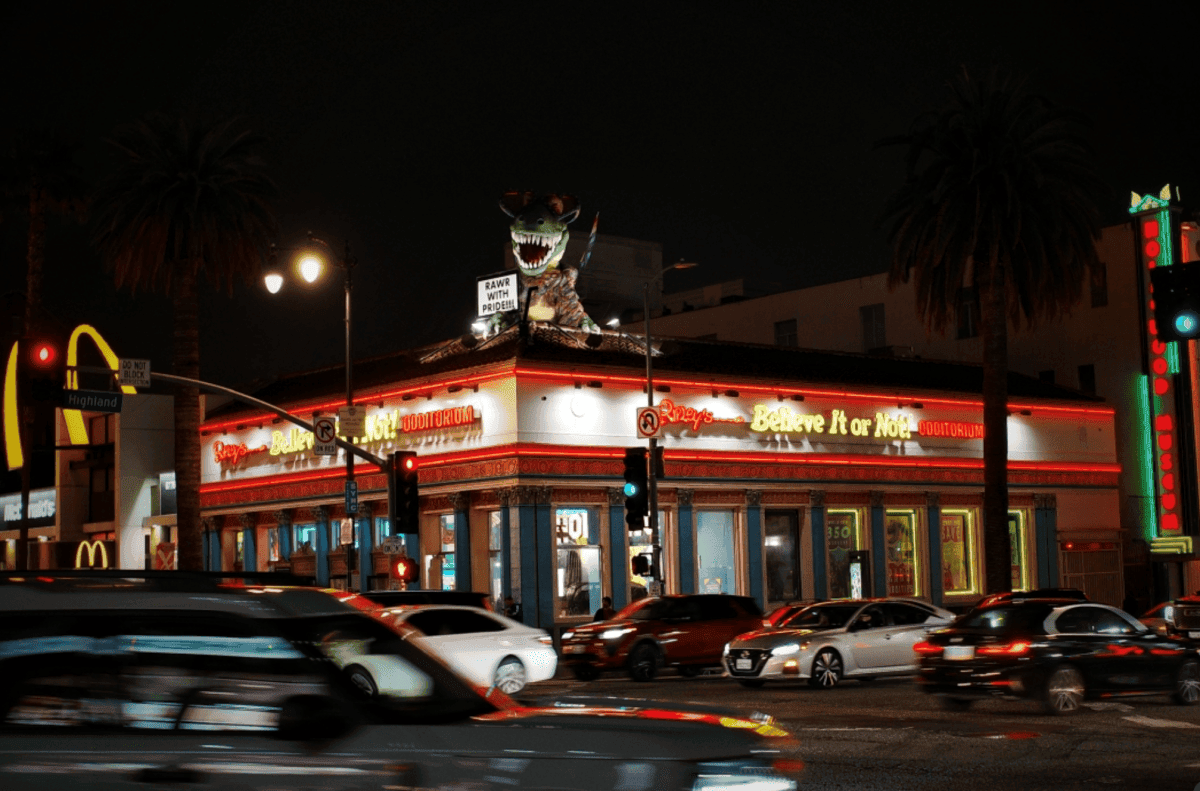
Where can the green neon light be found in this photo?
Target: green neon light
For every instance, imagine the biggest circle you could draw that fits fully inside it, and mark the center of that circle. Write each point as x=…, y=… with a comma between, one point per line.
x=1172, y=357
x=1167, y=255
x=1149, y=498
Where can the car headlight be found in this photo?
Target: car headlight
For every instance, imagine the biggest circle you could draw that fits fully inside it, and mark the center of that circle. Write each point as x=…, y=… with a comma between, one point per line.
x=613, y=634
x=1169, y=615
x=787, y=649
x=741, y=775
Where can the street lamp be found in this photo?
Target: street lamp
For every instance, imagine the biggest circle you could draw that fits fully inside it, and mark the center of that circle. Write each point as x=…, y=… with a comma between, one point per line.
x=652, y=477
x=310, y=266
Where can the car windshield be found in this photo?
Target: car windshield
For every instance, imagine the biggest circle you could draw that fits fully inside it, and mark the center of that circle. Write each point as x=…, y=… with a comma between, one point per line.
x=1006, y=618
x=822, y=616
x=644, y=610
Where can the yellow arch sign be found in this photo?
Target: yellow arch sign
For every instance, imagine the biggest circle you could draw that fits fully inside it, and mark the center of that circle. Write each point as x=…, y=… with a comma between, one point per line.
x=91, y=547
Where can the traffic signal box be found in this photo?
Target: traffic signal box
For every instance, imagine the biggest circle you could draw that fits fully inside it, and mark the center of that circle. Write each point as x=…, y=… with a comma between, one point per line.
x=43, y=369
x=636, y=489
x=1176, y=294
x=404, y=569
x=408, y=494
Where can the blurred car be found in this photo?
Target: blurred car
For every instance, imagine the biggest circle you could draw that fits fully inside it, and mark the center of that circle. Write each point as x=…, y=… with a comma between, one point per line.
x=1155, y=618
x=685, y=631
x=785, y=611
x=168, y=679
x=1180, y=617
x=831, y=641
x=1040, y=593
x=487, y=648
x=1057, y=651
x=409, y=598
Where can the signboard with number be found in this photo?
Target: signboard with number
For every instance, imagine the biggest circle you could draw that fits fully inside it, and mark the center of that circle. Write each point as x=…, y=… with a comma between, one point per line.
x=135, y=373
x=649, y=422
x=324, y=436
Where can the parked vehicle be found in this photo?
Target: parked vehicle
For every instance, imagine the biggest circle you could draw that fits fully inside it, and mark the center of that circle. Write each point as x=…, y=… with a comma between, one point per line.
x=1180, y=617
x=487, y=648
x=169, y=679
x=832, y=641
x=684, y=631
x=785, y=611
x=1155, y=618
x=1057, y=651
x=409, y=598
x=1040, y=593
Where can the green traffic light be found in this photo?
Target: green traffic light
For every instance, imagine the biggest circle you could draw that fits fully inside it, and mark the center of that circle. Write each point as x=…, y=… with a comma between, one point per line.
x=631, y=489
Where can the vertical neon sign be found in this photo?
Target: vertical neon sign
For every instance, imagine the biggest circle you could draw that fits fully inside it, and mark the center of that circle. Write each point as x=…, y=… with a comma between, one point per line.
x=1153, y=230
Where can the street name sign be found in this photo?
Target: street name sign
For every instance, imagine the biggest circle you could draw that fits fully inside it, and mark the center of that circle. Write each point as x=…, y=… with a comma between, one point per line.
x=91, y=400
x=324, y=436
x=135, y=373
x=351, y=504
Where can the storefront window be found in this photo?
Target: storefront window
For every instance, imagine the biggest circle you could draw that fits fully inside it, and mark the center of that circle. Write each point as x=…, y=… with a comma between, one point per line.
x=305, y=537
x=495, y=563
x=239, y=551
x=714, y=550
x=1017, y=537
x=782, y=530
x=273, y=543
x=446, y=525
x=901, y=534
x=578, y=588
x=958, y=552
x=843, y=535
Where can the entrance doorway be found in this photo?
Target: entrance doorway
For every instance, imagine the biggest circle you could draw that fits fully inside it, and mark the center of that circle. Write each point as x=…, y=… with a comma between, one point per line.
x=781, y=554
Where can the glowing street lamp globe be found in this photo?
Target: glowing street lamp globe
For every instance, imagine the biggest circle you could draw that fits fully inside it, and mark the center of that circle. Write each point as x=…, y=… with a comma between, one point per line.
x=310, y=268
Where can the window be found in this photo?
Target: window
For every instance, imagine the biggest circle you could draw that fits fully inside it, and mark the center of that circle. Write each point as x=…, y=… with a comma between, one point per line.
x=899, y=614
x=446, y=529
x=305, y=537
x=1099, y=283
x=902, y=533
x=273, y=544
x=1018, y=541
x=714, y=551
x=640, y=543
x=958, y=552
x=874, y=336
x=781, y=541
x=1087, y=379
x=1046, y=376
x=842, y=536
x=578, y=587
x=967, y=312
x=435, y=622
x=785, y=333
x=496, y=538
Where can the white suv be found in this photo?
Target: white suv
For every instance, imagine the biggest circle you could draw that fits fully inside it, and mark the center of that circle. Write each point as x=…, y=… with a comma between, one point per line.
x=136, y=679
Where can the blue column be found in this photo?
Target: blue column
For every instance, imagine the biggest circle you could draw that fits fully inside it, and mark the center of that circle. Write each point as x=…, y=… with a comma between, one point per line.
x=545, y=560
x=754, y=545
x=687, y=541
x=284, y=520
x=249, y=551
x=321, y=548
x=878, y=547
x=461, y=503
x=506, y=586
x=214, y=548
x=1046, y=527
x=618, y=582
x=933, y=521
x=817, y=510
x=527, y=541
x=364, y=524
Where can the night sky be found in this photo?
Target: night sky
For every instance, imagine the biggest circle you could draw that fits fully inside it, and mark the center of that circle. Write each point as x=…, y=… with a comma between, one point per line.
x=740, y=136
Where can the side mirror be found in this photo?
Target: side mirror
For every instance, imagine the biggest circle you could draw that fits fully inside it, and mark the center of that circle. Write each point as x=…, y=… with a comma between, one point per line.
x=316, y=719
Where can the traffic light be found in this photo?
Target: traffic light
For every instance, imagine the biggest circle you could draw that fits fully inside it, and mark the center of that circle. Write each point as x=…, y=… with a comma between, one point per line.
x=44, y=369
x=408, y=494
x=404, y=569
x=637, y=488
x=640, y=565
x=1176, y=301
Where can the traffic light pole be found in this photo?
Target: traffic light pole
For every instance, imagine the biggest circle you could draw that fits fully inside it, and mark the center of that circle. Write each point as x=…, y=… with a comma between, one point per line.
x=651, y=477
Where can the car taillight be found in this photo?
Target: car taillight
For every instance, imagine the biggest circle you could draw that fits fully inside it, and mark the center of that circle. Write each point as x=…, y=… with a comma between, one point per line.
x=546, y=640
x=926, y=648
x=1016, y=648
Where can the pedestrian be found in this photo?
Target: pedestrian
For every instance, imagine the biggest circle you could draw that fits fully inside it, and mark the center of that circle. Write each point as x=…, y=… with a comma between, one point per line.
x=606, y=611
x=512, y=609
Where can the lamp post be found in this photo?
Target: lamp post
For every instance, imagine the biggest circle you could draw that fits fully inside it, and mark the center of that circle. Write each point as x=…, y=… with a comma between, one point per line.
x=310, y=267
x=652, y=476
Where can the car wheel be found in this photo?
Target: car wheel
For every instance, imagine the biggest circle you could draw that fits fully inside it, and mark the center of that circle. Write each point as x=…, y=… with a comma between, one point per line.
x=956, y=704
x=826, y=669
x=585, y=672
x=361, y=679
x=510, y=676
x=1064, y=691
x=689, y=671
x=643, y=663
x=1187, y=683
x=752, y=683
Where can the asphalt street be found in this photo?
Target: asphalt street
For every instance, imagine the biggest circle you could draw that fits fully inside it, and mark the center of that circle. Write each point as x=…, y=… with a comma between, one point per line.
x=888, y=734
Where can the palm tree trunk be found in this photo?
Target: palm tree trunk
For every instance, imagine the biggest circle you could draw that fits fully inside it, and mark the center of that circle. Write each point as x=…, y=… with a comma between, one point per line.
x=996, y=550
x=186, y=362
x=35, y=257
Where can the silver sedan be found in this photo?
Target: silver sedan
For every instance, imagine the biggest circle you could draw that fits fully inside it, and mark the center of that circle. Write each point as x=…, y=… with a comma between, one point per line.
x=830, y=641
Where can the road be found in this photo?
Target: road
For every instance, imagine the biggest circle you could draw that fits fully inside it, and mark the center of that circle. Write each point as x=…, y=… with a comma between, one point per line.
x=888, y=734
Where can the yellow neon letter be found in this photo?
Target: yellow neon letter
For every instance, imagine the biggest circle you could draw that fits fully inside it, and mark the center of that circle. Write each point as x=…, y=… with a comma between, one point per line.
x=12, y=423
x=73, y=417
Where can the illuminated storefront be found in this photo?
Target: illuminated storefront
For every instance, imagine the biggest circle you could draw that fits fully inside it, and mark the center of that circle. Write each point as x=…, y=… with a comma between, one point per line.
x=863, y=476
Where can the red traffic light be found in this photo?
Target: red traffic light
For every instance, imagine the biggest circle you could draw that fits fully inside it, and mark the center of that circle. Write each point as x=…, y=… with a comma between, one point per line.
x=410, y=462
x=404, y=569
x=43, y=355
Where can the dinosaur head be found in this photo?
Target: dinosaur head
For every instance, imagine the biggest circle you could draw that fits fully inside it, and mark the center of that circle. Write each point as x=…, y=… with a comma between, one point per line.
x=539, y=228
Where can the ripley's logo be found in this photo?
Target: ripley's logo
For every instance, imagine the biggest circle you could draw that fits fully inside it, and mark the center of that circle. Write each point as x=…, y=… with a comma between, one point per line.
x=234, y=453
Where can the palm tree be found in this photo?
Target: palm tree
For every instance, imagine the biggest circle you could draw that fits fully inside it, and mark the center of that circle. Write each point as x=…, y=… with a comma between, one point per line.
x=999, y=199
x=188, y=198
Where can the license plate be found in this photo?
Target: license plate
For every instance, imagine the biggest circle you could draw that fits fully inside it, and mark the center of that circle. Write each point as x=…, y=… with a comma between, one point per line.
x=959, y=652
x=1194, y=635
x=575, y=649
x=742, y=664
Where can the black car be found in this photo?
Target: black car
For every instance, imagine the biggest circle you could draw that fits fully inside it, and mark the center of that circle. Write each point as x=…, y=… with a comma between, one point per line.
x=1041, y=593
x=1059, y=651
x=410, y=598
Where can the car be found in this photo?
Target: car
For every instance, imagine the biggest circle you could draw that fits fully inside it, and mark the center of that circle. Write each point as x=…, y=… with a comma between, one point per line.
x=408, y=598
x=486, y=647
x=1180, y=617
x=684, y=631
x=1040, y=593
x=142, y=679
x=785, y=611
x=1155, y=618
x=829, y=642
x=1057, y=651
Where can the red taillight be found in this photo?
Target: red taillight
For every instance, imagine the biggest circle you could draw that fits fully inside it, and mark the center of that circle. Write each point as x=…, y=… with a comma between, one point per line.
x=1018, y=648
x=926, y=648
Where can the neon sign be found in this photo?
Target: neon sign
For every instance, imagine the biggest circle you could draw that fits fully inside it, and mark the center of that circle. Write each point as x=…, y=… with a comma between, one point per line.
x=784, y=420
x=950, y=428
x=378, y=428
x=234, y=453
x=440, y=418
x=670, y=413
x=91, y=547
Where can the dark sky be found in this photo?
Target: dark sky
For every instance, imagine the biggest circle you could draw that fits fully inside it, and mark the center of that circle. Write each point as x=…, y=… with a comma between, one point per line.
x=739, y=135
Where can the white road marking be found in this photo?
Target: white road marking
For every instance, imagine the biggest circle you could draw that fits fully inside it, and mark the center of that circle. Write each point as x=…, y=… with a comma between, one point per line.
x=1153, y=723
x=1106, y=706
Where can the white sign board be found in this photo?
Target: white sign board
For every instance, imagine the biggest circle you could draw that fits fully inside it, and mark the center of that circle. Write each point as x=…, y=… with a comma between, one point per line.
x=393, y=545
x=497, y=293
x=135, y=373
x=324, y=436
x=649, y=422
x=352, y=421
